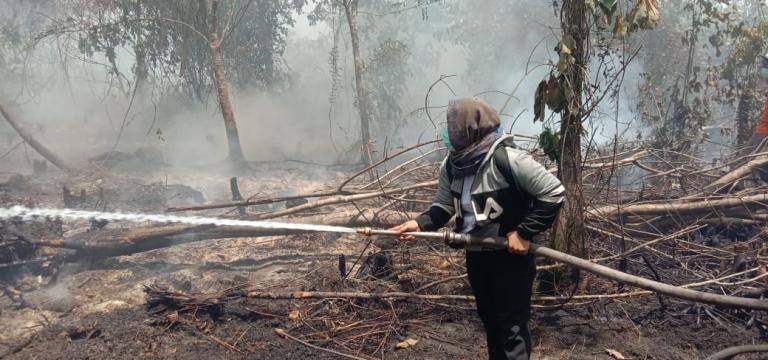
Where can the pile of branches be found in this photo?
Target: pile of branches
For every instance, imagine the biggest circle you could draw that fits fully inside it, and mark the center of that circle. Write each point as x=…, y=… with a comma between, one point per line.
x=19, y=250
x=161, y=299
x=361, y=313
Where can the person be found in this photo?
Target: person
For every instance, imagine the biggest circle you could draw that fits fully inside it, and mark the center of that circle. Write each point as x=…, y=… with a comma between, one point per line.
x=495, y=189
x=760, y=131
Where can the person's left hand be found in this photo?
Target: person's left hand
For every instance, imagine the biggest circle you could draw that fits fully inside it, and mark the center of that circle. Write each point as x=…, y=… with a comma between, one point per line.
x=516, y=244
x=408, y=226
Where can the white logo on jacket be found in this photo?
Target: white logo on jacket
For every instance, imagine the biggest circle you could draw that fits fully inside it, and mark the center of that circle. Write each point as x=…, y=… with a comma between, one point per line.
x=491, y=212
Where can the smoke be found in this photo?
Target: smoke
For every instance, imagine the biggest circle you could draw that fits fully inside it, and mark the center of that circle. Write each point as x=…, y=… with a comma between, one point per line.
x=76, y=106
x=56, y=297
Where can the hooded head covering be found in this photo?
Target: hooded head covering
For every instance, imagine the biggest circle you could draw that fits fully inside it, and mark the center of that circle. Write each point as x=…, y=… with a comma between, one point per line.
x=473, y=127
x=469, y=121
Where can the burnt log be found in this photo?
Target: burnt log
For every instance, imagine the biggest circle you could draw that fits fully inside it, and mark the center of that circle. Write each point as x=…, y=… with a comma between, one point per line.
x=116, y=242
x=40, y=148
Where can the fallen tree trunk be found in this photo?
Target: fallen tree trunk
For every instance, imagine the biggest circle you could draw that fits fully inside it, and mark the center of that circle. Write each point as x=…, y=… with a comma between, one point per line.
x=681, y=206
x=736, y=174
x=40, y=148
x=113, y=242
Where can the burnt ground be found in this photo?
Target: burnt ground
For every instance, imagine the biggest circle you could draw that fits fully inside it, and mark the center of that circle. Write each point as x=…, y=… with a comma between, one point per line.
x=97, y=309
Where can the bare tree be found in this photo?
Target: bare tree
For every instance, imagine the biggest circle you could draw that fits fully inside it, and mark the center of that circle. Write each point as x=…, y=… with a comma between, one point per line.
x=363, y=101
x=220, y=80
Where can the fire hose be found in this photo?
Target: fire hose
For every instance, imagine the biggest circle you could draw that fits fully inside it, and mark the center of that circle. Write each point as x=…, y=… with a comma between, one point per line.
x=586, y=265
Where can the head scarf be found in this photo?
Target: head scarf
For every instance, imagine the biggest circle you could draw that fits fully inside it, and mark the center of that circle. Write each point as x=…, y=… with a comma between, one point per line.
x=472, y=128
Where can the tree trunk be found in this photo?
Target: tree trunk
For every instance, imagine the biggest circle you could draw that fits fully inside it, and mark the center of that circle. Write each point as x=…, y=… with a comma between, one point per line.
x=363, y=104
x=746, y=113
x=220, y=80
x=40, y=148
x=569, y=232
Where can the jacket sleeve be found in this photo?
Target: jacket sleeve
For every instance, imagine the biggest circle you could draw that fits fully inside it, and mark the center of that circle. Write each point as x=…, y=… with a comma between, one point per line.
x=442, y=209
x=545, y=189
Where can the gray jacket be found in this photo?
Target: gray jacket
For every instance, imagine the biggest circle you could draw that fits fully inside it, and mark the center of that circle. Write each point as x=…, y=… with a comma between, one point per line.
x=511, y=192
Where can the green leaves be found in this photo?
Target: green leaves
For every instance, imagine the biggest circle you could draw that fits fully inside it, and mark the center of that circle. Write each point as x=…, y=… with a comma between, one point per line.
x=609, y=7
x=550, y=144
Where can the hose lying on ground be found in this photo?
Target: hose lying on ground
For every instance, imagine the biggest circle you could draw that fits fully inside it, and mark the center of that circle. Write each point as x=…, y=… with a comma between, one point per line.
x=736, y=350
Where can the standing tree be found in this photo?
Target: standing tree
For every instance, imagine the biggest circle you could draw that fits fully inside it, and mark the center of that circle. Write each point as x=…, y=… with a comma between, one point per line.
x=570, y=92
x=351, y=8
x=383, y=62
x=220, y=80
x=574, y=52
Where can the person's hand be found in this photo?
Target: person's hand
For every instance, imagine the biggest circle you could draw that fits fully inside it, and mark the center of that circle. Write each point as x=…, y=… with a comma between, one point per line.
x=516, y=244
x=408, y=226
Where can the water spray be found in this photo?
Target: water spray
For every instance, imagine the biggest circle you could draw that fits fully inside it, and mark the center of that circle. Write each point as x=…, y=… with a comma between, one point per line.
x=36, y=214
x=488, y=242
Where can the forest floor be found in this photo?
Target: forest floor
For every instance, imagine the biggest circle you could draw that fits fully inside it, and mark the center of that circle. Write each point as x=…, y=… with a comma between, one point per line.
x=97, y=309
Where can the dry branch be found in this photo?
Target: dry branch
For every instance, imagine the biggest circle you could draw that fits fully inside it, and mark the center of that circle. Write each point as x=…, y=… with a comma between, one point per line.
x=668, y=207
x=344, y=199
x=40, y=148
x=636, y=281
x=736, y=174
x=251, y=202
x=340, y=188
x=285, y=334
x=603, y=271
x=352, y=295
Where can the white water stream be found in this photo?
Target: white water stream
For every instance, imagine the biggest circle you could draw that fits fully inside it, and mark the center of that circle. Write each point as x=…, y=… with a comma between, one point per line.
x=39, y=214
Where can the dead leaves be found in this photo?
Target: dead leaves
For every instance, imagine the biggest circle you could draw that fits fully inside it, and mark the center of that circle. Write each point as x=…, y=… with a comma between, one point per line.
x=406, y=343
x=565, y=49
x=615, y=354
x=645, y=15
x=539, y=101
x=553, y=93
x=620, y=28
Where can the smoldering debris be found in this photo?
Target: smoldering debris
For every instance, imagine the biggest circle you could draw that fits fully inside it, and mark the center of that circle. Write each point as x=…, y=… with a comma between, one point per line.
x=161, y=299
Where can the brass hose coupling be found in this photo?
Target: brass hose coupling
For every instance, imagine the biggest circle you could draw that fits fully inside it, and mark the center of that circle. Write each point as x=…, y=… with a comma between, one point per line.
x=449, y=237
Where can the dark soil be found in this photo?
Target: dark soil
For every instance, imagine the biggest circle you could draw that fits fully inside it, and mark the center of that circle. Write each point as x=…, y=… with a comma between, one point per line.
x=97, y=311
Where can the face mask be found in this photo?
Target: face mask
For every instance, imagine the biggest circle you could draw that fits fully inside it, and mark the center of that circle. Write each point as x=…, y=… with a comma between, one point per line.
x=447, y=140
x=764, y=73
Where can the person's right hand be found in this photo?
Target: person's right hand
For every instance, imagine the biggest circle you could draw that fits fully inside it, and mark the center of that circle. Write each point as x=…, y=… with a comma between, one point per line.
x=408, y=226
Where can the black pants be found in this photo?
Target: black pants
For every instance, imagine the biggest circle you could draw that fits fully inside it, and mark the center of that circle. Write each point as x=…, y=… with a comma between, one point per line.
x=502, y=283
